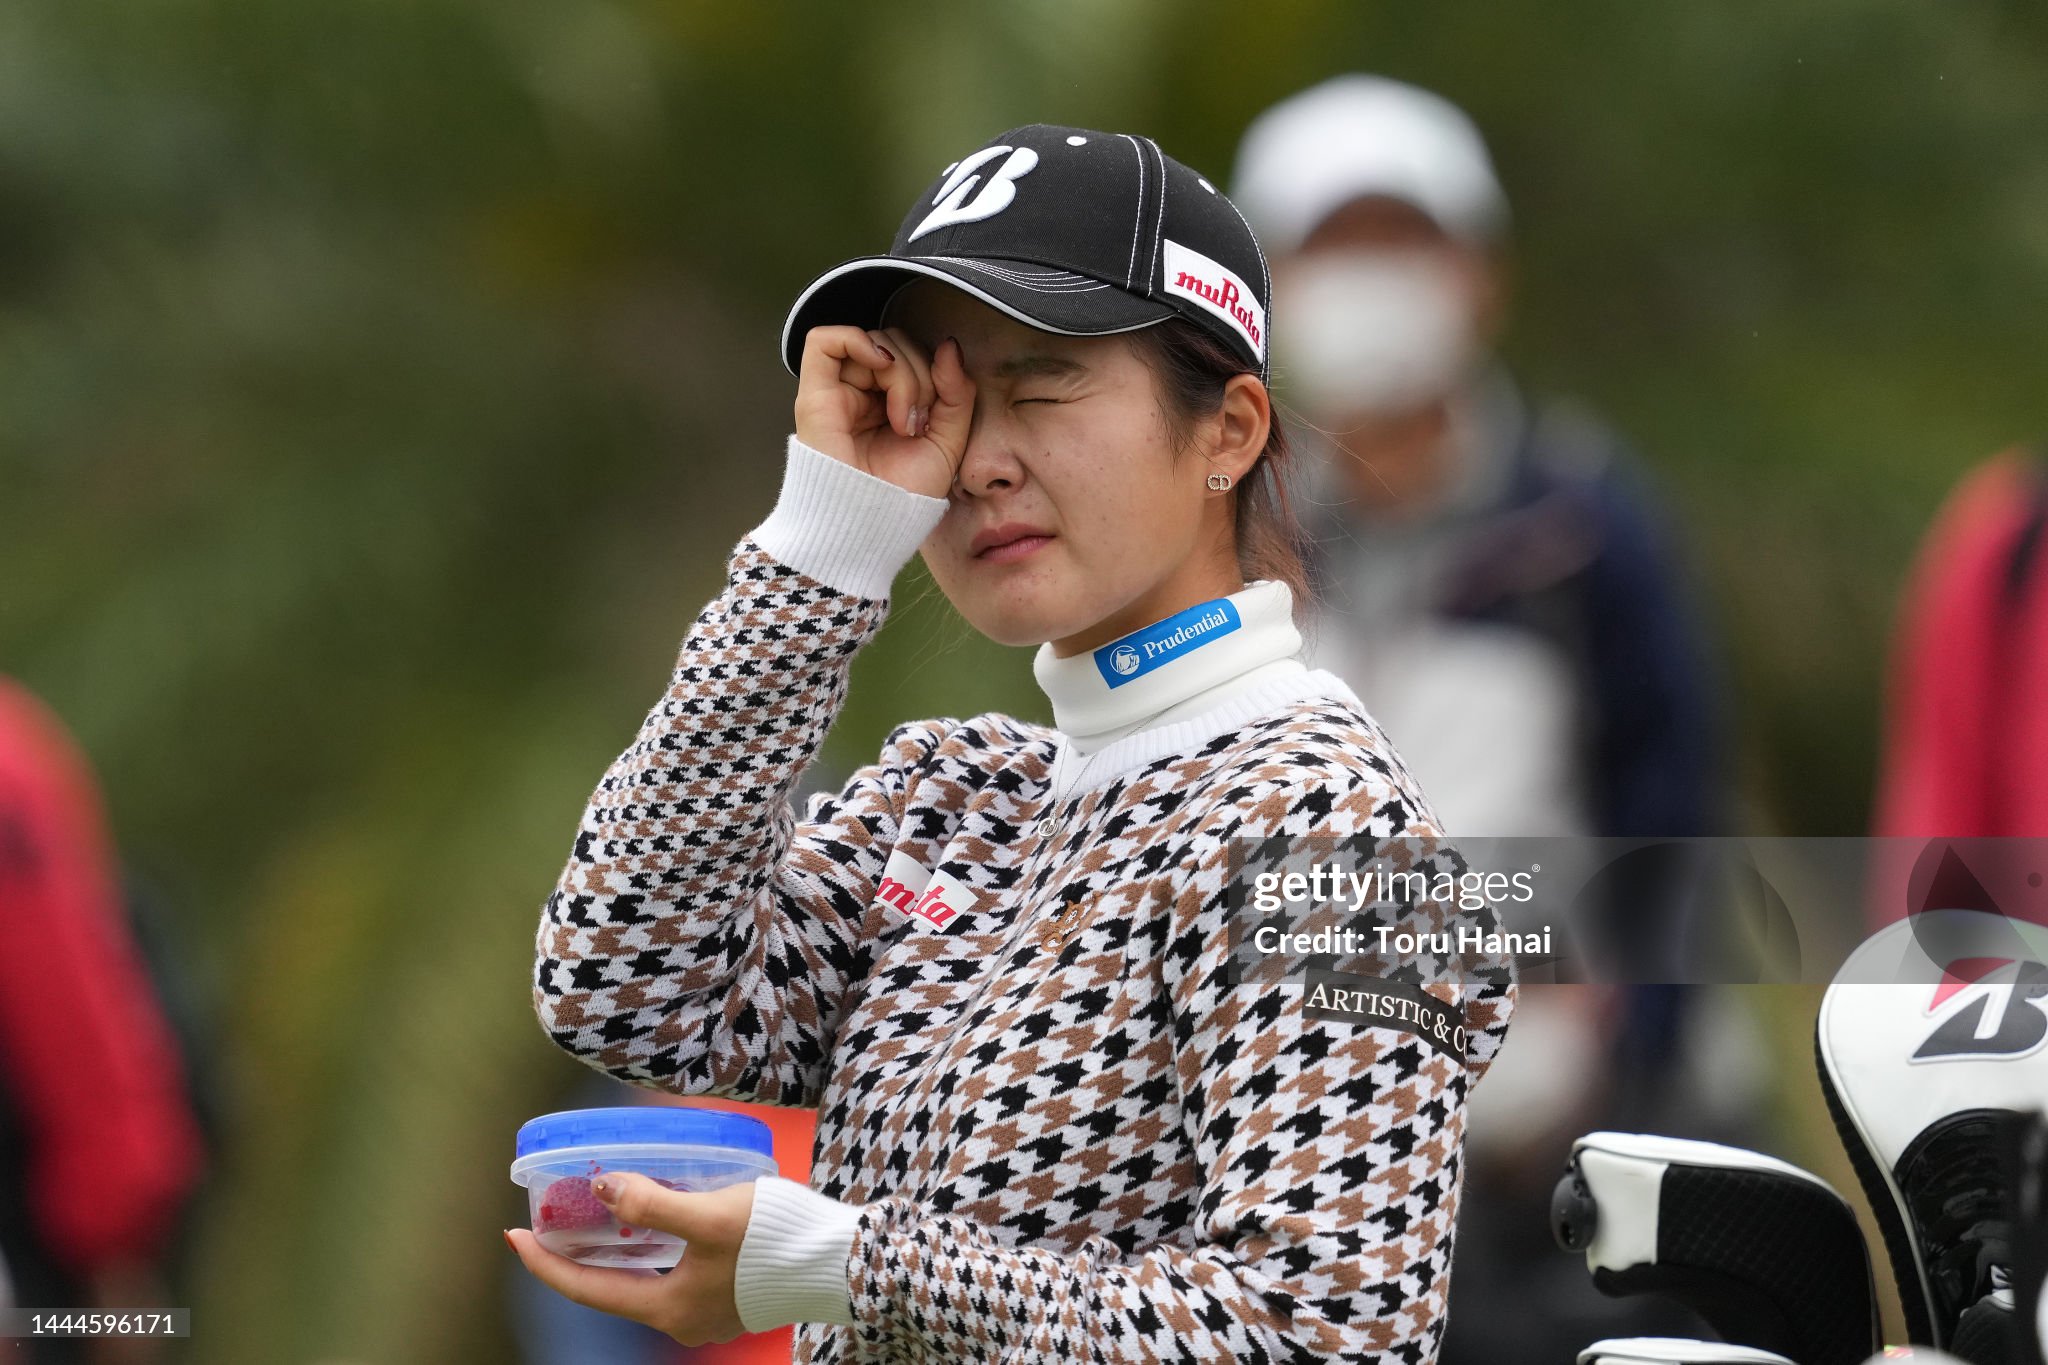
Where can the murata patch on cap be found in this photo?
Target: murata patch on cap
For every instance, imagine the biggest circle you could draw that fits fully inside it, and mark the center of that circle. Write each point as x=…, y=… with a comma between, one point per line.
x=1213, y=285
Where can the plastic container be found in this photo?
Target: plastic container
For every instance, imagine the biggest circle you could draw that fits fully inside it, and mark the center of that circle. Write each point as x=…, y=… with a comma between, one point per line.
x=556, y=1156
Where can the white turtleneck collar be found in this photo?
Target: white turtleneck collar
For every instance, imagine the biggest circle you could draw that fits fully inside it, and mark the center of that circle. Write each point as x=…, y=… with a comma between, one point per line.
x=1174, y=668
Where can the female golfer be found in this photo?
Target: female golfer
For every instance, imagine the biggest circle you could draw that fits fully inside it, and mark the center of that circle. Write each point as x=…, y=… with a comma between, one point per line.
x=1054, y=1123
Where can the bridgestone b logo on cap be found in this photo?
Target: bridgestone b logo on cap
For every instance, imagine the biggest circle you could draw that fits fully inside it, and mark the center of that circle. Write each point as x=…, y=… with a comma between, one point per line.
x=1214, y=286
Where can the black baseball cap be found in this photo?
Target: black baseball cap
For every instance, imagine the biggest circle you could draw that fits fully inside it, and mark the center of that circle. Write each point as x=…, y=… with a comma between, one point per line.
x=1068, y=230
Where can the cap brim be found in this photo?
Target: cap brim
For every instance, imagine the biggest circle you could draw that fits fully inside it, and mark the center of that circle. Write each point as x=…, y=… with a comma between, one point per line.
x=855, y=292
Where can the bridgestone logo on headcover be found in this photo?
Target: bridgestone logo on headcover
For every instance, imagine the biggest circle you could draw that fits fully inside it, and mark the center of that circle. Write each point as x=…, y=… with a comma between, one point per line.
x=1213, y=285
x=2018, y=1012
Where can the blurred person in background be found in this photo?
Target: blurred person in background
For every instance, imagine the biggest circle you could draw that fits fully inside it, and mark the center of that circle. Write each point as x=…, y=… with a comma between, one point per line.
x=1965, y=747
x=1495, y=582
x=1963, y=758
x=100, y=1146
x=1494, y=569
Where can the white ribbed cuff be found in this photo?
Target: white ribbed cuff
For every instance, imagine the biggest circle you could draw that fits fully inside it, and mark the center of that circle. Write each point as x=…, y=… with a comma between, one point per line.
x=843, y=526
x=792, y=1261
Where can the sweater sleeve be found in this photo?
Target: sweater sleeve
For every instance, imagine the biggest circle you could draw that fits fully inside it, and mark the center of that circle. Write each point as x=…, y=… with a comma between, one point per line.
x=1330, y=1171
x=703, y=935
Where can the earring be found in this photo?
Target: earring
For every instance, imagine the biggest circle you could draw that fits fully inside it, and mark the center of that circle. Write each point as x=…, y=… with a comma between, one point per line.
x=1219, y=482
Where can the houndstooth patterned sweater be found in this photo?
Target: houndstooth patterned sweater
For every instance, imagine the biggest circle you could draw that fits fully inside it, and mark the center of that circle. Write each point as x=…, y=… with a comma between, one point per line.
x=993, y=962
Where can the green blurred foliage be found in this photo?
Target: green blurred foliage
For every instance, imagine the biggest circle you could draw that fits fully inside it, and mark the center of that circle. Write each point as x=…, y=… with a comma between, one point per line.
x=382, y=384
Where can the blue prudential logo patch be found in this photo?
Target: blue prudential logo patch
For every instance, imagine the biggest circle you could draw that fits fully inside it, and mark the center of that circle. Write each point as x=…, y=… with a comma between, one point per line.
x=1135, y=655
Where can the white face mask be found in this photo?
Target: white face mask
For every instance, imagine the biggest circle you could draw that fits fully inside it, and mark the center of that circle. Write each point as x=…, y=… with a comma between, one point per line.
x=1370, y=332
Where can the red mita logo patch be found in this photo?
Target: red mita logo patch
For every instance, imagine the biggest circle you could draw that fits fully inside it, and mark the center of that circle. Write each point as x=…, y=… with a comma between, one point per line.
x=933, y=904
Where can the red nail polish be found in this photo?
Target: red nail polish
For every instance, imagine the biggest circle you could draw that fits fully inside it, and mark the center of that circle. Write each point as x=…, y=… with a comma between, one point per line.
x=891, y=355
x=510, y=1243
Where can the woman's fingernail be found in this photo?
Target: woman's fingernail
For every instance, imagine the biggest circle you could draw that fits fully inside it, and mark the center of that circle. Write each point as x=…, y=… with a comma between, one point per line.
x=510, y=1243
x=887, y=354
x=604, y=1187
x=918, y=418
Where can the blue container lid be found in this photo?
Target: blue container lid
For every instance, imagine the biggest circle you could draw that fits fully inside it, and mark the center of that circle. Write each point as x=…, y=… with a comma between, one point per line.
x=640, y=1124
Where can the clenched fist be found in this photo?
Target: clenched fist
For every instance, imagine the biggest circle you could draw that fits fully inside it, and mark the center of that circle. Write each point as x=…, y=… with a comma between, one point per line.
x=876, y=401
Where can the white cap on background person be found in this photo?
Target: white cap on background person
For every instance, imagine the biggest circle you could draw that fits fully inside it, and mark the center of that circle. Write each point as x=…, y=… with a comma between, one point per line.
x=1358, y=135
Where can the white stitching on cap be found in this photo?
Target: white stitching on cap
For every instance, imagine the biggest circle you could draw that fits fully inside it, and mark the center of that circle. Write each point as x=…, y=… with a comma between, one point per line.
x=1061, y=282
x=981, y=264
x=1083, y=285
x=1265, y=286
x=912, y=265
x=1159, y=223
x=1076, y=288
x=1138, y=218
x=1265, y=278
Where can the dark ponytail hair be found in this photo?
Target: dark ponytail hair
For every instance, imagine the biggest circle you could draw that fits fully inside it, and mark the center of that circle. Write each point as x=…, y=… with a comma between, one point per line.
x=1193, y=365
